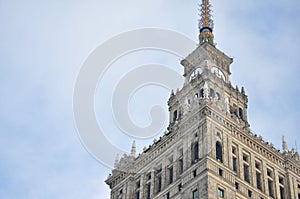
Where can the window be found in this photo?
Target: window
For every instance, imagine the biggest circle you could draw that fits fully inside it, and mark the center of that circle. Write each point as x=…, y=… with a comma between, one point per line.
x=245, y=158
x=234, y=164
x=170, y=175
x=237, y=186
x=219, y=152
x=271, y=188
x=258, y=180
x=158, y=183
x=249, y=193
x=195, y=194
x=149, y=176
x=234, y=150
x=202, y=93
x=137, y=194
x=218, y=96
x=175, y=115
x=281, y=180
x=212, y=93
x=148, y=191
x=220, y=172
x=195, y=152
x=138, y=184
x=282, y=193
x=221, y=193
x=168, y=195
x=180, y=187
x=257, y=165
x=270, y=173
x=246, y=173
x=241, y=115
x=194, y=173
x=180, y=166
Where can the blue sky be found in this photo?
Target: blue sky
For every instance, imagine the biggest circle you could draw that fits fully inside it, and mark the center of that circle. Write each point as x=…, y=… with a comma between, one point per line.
x=44, y=44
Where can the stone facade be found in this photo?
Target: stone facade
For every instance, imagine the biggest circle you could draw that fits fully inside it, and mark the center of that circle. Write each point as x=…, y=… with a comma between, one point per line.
x=208, y=150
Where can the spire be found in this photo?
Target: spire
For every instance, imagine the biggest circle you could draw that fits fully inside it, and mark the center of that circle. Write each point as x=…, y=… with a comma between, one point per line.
x=206, y=23
x=133, y=149
x=284, y=145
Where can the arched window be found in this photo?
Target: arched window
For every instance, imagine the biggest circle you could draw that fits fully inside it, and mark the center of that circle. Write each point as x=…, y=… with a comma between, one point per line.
x=195, y=151
x=241, y=113
x=219, y=152
x=202, y=93
x=218, y=96
x=212, y=93
x=175, y=115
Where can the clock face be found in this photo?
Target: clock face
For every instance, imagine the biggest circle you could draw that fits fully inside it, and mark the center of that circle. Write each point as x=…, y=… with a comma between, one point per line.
x=218, y=73
x=195, y=73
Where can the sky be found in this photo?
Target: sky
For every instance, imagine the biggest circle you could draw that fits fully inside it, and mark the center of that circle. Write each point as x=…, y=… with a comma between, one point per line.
x=45, y=43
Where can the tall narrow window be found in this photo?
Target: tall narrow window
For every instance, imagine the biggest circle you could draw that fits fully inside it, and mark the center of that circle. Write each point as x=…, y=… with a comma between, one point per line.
x=168, y=195
x=195, y=152
x=282, y=193
x=234, y=164
x=241, y=114
x=195, y=194
x=246, y=173
x=170, y=175
x=258, y=180
x=212, y=93
x=175, y=115
x=180, y=166
x=271, y=188
x=219, y=152
x=158, y=181
x=137, y=195
x=202, y=93
x=148, y=190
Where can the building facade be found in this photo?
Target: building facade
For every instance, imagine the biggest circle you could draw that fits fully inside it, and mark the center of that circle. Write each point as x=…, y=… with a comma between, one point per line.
x=208, y=150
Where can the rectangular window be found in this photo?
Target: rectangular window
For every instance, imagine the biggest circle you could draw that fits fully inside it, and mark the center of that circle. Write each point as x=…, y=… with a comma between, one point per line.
x=158, y=184
x=194, y=173
x=271, y=188
x=249, y=193
x=245, y=157
x=246, y=173
x=237, y=186
x=234, y=150
x=281, y=181
x=221, y=193
x=138, y=184
x=220, y=172
x=148, y=194
x=195, y=194
x=180, y=187
x=234, y=164
x=282, y=193
x=180, y=166
x=258, y=165
x=137, y=195
x=168, y=195
x=170, y=175
x=270, y=173
x=258, y=180
x=149, y=176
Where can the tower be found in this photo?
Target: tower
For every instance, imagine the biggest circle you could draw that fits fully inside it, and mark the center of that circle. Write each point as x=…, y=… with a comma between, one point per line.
x=208, y=150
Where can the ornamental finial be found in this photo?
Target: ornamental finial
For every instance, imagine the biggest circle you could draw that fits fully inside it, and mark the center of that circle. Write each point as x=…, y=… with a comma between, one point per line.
x=206, y=23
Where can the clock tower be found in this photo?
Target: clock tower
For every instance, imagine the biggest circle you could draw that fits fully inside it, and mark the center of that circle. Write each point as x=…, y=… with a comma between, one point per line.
x=208, y=150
